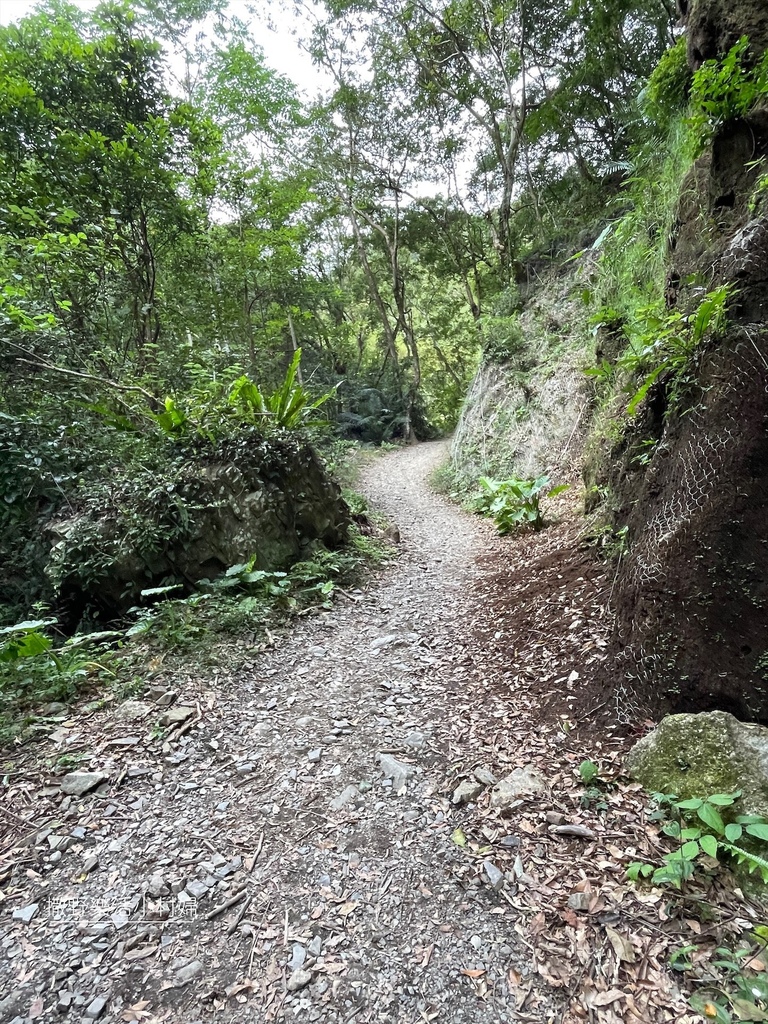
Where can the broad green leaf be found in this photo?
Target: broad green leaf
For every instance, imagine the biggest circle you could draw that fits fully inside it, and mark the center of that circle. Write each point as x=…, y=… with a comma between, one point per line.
x=711, y=817
x=724, y=799
x=758, y=831
x=733, y=832
x=690, y=850
x=690, y=805
x=709, y=845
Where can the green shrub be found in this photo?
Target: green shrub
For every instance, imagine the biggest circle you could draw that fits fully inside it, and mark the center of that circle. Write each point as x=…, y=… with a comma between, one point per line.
x=515, y=504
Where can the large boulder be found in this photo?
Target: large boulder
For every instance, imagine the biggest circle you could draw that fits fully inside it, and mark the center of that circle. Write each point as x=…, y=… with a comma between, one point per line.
x=210, y=507
x=698, y=755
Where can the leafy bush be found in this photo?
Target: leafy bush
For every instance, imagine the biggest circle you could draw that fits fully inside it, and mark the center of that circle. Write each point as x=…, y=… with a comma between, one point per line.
x=668, y=88
x=33, y=670
x=515, y=504
x=699, y=826
x=726, y=89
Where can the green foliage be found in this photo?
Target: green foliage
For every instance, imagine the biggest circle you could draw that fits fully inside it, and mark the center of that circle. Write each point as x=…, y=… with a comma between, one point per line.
x=727, y=89
x=515, y=504
x=289, y=407
x=33, y=670
x=700, y=828
x=595, y=786
x=666, y=94
x=742, y=992
x=589, y=771
x=662, y=342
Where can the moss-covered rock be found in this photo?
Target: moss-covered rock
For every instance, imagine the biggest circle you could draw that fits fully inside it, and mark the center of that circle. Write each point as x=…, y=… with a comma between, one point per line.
x=698, y=755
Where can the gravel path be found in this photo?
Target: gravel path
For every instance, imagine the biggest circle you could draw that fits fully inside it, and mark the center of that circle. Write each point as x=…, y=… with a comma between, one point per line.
x=314, y=788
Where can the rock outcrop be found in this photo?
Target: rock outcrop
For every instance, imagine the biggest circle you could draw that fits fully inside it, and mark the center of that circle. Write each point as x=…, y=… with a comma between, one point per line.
x=265, y=497
x=698, y=755
x=692, y=592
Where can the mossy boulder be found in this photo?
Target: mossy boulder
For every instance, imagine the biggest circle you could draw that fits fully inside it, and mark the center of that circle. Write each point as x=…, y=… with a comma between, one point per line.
x=697, y=755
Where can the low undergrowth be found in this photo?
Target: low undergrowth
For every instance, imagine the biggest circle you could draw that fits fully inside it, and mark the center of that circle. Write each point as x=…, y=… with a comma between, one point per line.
x=41, y=672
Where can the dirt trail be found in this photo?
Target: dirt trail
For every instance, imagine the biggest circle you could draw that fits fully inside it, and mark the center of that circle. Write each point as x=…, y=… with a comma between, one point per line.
x=314, y=787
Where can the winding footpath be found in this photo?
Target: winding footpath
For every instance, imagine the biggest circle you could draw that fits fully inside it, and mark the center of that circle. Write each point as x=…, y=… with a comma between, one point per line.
x=302, y=842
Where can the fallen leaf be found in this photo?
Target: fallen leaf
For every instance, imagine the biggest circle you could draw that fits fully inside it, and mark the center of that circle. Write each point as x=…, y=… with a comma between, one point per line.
x=37, y=1007
x=621, y=945
x=606, y=998
x=473, y=972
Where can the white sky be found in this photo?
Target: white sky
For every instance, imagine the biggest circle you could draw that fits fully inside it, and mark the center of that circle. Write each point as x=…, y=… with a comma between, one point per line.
x=274, y=31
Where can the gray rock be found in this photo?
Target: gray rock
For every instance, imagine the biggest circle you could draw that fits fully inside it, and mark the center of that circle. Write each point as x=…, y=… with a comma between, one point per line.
x=26, y=914
x=188, y=973
x=299, y=980
x=579, y=900
x=315, y=946
x=196, y=888
x=157, y=886
x=696, y=755
x=350, y=795
x=485, y=776
x=11, y=1003
x=298, y=956
x=466, y=792
x=80, y=783
x=494, y=876
x=314, y=755
x=175, y=716
x=416, y=740
x=132, y=711
x=95, y=1008
x=398, y=771
x=519, y=784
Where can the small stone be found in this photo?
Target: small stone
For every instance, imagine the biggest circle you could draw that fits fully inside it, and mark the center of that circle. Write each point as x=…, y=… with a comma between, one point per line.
x=315, y=946
x=80, y=783
x=314, y=755
x=521, y=783
x=398, y=771
x=349, y=795
x=245, y=768
x=555, y=818
x=157, y=886
x=298, y=956
x=466, y=792
x=175, y=716
x=95, y=1008
x=494, y=876
x=64, y=1001
x=196, y=889
x=299, y=980
x=485, y=776
x=26, y=914
x=579, y=900
x=189, y=973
